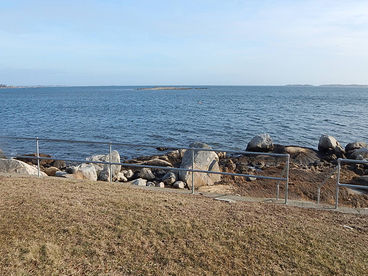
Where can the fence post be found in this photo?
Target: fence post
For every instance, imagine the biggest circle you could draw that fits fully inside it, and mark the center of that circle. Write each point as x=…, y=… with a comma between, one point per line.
x=318, y=194
x=192, y=171
x=338, y=183
x=38, y=157
x=287, y=179
x=110, y=157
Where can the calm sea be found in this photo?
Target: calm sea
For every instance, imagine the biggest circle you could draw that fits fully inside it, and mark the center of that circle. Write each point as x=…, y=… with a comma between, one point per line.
x=224, y=117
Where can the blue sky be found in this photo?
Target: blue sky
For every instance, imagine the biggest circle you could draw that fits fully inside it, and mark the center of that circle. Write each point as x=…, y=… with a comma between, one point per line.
x=132, y=42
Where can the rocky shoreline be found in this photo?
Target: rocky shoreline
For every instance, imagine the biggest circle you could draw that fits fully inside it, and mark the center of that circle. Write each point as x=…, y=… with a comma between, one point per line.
x=308, y=168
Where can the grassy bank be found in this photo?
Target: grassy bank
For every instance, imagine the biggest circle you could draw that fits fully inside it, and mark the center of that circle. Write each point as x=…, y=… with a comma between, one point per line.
x=75, y=227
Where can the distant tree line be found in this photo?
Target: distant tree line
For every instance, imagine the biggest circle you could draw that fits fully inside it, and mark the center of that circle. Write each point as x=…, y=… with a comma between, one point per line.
x=3, y=85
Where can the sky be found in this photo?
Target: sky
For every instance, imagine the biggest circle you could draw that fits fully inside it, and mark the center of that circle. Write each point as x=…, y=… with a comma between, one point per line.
x=202, y=42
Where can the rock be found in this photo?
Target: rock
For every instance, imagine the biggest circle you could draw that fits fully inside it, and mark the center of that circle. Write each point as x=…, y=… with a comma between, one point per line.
x=302, y=156
x=88, y=171
x=157, y=162
x=139, y=182
x=179, y=185
x=103, y=170
x=121, y=177
x=160, y=185
x=328, y=144
x=128, y=173
x=146, y=173
x=203, y=160
x=43, y=162
x=355, y=145
x=51, y=171
x=251, y=178
x=359, y=154
x=260, y=143
x=61, y=174
x=19, y=167
x=150, y=184
x=169, y=178
x=71, y=169
x=2, y=155
x=60, y=164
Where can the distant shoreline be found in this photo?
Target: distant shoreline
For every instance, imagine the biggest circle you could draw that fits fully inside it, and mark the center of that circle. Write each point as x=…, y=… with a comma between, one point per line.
x=170, y=88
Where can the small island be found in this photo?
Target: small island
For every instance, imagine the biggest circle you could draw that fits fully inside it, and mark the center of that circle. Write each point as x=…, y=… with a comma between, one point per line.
x=170, y=88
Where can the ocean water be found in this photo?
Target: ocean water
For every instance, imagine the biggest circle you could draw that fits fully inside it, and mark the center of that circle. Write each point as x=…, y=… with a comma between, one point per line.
x=222, y=116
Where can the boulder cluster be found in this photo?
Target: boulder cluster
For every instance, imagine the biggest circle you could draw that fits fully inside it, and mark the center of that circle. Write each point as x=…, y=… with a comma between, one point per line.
x=139, y=171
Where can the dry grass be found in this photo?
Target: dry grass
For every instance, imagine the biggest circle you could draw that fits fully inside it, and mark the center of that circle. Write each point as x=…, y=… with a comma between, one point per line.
x=55, y=226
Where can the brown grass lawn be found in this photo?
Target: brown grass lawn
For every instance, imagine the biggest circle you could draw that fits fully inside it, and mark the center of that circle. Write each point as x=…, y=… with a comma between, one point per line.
x=57, y=226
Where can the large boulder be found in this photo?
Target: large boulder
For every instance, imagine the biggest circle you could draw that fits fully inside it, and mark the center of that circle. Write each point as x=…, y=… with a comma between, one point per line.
x=139, y=182
x=169, y=178
x=103, y=170
x=203, y=160
x=19, y=167
x=260, y=143
x=302, y=156
x=88, y=171
x=356, y=145
x=146, y=173
x=356, y=150
x=329, y=145
x=359, y=154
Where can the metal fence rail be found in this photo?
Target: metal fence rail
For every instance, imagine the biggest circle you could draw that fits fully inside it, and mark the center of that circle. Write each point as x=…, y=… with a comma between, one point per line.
x=338, y=184
x=192, y=170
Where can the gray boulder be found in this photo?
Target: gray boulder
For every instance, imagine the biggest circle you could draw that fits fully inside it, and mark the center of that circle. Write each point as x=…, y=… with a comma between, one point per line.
x=146, y=173
x=356, y=145
x=103, y=170
x=18, y=167
x=139, y=182
x=179, y=185
x=88, y=171
x=359, y=154
x=157, y=162
x=260, y=143
x=169, y=178
x=328, y=144
x=203, y=160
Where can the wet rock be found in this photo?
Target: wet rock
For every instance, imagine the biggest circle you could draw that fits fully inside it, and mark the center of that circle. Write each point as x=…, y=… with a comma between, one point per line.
x=260, y=143
x=359, y=154
x=203, y=160
x=356, y=145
